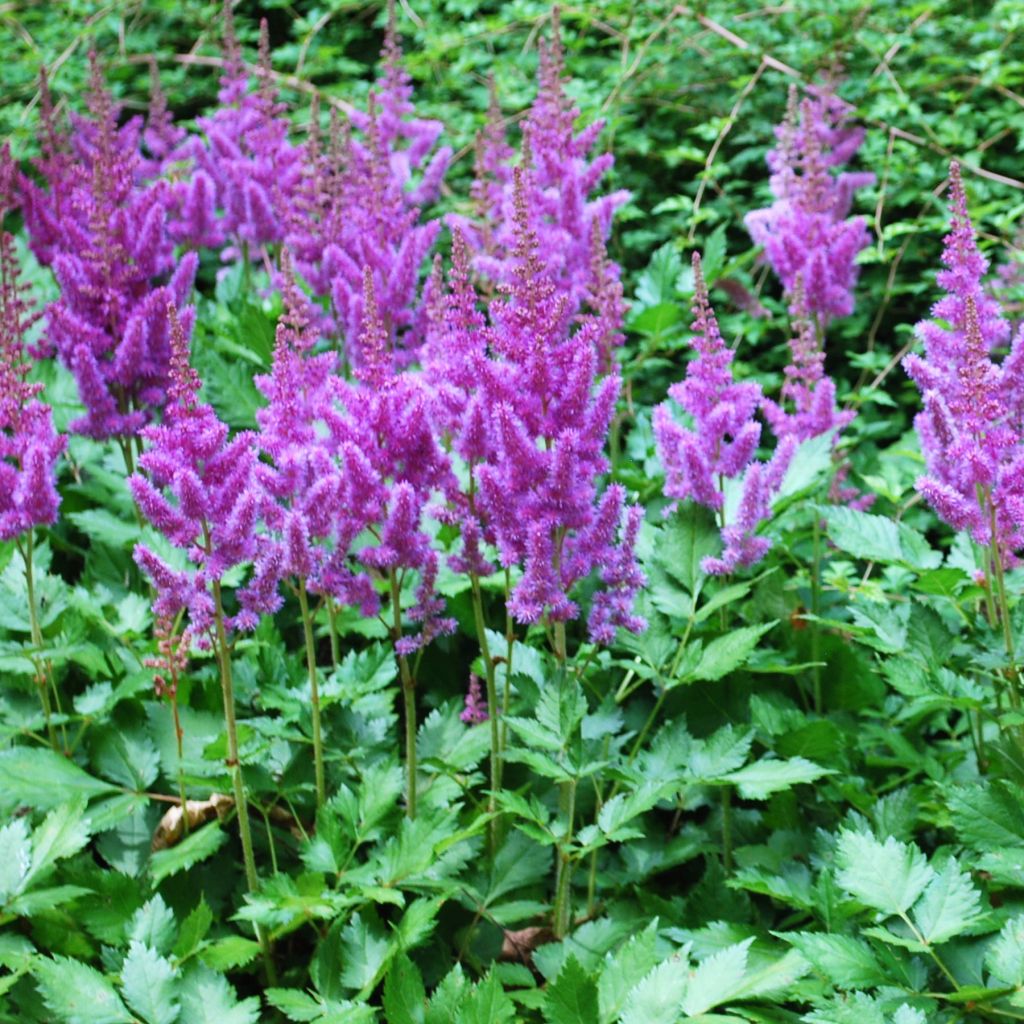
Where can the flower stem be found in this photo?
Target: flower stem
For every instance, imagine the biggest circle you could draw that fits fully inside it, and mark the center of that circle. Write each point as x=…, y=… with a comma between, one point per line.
x=408, y=699
x=234, y=764
x=314, y=701
x=37, y=636
x=816, y=611
x=563, y=893
x=492, y=708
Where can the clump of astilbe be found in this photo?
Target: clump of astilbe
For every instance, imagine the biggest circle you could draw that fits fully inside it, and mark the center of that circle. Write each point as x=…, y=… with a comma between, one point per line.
x=971, y=425
x=806, y=232
x=246, y=172
x=565, y=213
x=360, y=209
x=29, y=444
x=201, y=491
x=109, y=325
x=722, y=441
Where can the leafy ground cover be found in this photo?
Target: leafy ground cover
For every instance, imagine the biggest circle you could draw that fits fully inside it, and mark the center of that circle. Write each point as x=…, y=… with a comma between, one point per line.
x=512, y=514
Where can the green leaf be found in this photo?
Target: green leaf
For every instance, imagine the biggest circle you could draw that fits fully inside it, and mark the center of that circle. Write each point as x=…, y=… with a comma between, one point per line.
x=1005, y=956
x=572, y=997
x=193, y=930
x=153, y=925
x=847, y=962
x=688, y=537
x=77, y=994
x=887, y=876
x=487, y=1003
x=717, y=979
x=878, y=538
x=197, y=846
x=364, y=951
x=208, y=998
x=727, y=653
x=657, y=283
x=950, y=905
x=988, y=816
x=404, y=995
x=43, y=780
x=149, y=984
x=625, y=970
x=760, y=780
x=15, y=859
x=658, y=997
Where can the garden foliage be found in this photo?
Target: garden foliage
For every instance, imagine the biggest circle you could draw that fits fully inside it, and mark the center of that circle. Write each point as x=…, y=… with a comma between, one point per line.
x=484, y=542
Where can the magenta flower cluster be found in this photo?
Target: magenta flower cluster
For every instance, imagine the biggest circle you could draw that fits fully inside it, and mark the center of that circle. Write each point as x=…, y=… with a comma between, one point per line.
x=806, y=232
x=721, y=442
x=971, y=427
x=29, y=444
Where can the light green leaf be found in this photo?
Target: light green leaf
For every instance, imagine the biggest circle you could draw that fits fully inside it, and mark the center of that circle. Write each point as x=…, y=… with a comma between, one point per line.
x=208, y=998
x=624, y=970
x=727, y=653
x=197, y=846
x=949, y=906
x=658, y=998
x=363, y=953
x=717, y=979
x=988, y=816
x=760, y=780
x=153, y=925
x=193, y=930
x=887, y=876
x=15, y=859
x=77, y=994
x=43, y=780
x=149, y=984
x=878, y=538
x=1005, y=956
x=847, y=962
x=572, y=997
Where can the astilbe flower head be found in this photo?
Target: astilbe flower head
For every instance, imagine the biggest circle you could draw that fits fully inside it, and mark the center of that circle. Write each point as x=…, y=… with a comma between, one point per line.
x=29, y=444
x=970, y=427
x=361, y=208
x=114, y=263
x=517, y=396
x=201, y=490
x=475, y=710
x=246, y=171
x=806, y=232
x=722, y=441
x=565, y=213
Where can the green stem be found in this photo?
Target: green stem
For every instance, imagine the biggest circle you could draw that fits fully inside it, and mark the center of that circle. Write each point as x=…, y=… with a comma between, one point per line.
x=408, y=699
x=563, y=893
x=492, y=707
x=314, y=702
x=234, y=764
x=37, y=636
x=332, y=617
x=179, y=734
x=510, y=639
x=816, y=611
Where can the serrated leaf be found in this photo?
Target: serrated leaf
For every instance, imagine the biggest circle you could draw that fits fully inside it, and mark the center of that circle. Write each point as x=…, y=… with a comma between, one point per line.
x=208, y=998
x=77, y=994
x=149, y=984
x=988, y=816
x=572, y=997
x=658, y=997
x=949, y=906
x=727, y=653
x=363, y=952
x=404, y=995
x=847, y=962
x=887, y=876
x=878, y=538
x=153, y=925
x=15, y=859
x=625, y=970
x=486, y=1003
x=197, y=846
x=760, y=780
x=1005, y=956
x=716, y=979
x=43, y=780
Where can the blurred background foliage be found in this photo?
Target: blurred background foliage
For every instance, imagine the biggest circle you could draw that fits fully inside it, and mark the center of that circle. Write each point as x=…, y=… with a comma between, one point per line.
x=689, y=95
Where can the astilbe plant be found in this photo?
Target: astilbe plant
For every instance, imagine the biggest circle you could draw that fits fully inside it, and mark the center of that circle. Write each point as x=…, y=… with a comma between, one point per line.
x=971, y=427
x=360, y=208
x=106, y=238
x=572, y=224
x=519, y=400
x=806, y=231
x=245, y=173
x=201, y=490
x=721, y=444
x=29, y=445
